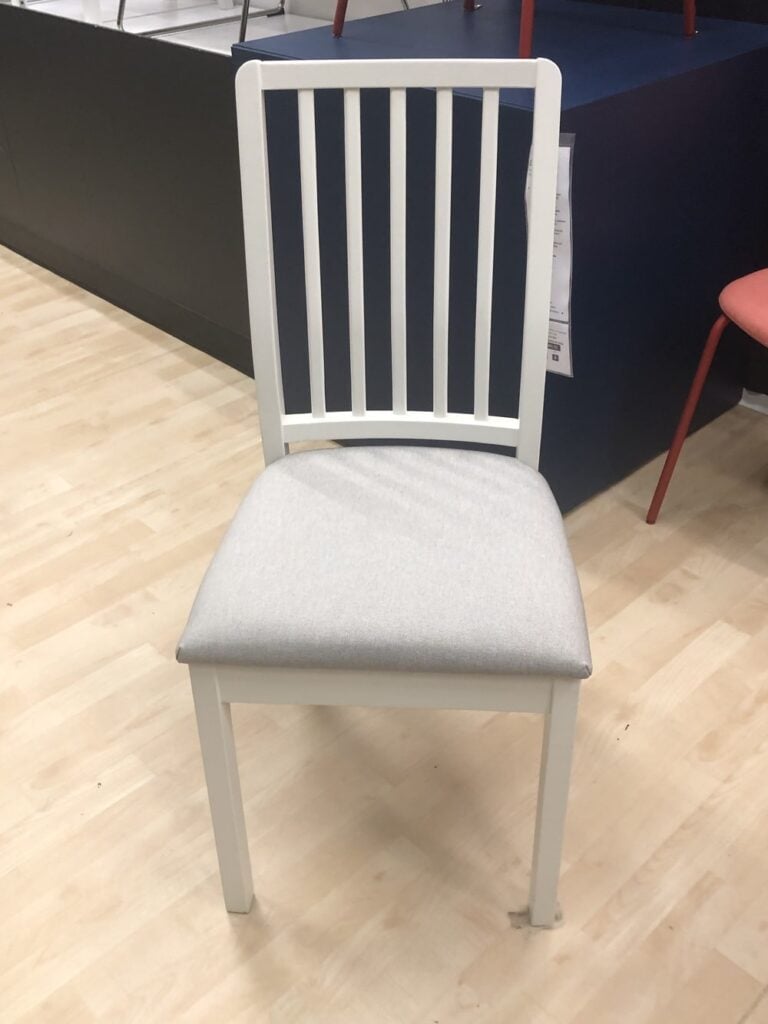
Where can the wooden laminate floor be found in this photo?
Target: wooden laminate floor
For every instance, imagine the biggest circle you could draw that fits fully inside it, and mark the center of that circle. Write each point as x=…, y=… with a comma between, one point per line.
x=388, y=846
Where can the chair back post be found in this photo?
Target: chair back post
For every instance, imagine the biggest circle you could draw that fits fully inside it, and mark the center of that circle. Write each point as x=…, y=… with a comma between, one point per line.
x=254, y=80
x=538, y=275
x=259, y=258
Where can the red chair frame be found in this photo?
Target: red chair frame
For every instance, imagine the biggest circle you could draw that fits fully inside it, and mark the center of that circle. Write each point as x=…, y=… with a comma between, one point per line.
x=527, y=14
x=743, y=302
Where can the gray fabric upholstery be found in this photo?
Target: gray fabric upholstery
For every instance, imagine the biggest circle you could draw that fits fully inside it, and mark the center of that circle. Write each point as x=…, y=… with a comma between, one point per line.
x=409, y=558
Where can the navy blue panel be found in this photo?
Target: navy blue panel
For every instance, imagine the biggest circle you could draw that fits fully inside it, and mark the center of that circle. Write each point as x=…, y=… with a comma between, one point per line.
x=602, y=51
x=669, y=205
x=119, y=169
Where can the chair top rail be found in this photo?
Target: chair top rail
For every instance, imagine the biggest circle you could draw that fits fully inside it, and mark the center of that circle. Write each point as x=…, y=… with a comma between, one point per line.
x=399, y=74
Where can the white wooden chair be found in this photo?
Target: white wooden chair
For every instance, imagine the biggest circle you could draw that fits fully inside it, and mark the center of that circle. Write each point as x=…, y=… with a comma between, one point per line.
x=398, y=576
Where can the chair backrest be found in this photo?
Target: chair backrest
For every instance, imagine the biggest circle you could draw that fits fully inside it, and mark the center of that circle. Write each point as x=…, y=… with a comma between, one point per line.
x=254, y=80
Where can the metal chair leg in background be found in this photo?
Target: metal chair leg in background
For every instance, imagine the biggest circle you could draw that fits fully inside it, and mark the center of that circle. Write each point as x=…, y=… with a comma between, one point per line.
x=340, y=15
x=689, y=17
x=713, y=340
x=527, y=11
x=242, y=18
x=246, y=14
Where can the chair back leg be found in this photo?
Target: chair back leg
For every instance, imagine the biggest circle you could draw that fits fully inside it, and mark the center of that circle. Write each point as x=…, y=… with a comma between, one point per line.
x=217, y=742
x=689, y=17
x=339, y=17
x=689, y=409
x=554, y=782
x=525, y=42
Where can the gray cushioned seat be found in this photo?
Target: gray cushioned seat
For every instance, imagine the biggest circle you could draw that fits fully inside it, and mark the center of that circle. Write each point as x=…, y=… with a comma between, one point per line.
x=405, y=558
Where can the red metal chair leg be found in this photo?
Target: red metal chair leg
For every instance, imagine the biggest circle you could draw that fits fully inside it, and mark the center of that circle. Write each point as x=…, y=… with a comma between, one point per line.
x=525, y=46
x=339, y=16
x=689, y=17
x=683, y=426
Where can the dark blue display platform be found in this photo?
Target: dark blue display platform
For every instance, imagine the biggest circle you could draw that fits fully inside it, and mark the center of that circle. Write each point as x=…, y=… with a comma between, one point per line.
x=601, y=51
x=669, y=204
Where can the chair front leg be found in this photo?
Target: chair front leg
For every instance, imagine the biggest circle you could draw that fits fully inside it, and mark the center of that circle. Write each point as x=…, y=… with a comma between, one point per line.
x=217, y=743
x=554, y=782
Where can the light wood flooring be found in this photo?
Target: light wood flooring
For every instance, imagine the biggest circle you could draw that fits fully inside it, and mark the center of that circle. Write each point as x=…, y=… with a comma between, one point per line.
x=389, y=847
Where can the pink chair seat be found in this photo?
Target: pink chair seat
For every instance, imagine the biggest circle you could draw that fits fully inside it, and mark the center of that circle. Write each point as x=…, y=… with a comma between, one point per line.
x=745, y=302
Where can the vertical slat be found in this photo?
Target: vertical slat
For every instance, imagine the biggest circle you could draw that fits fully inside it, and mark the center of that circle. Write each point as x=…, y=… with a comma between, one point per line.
x=354, y=194
x=485, y=242
x=309, y=217
x=538, y=275
x=397, y=236
x=443, y=148
x=259, y=259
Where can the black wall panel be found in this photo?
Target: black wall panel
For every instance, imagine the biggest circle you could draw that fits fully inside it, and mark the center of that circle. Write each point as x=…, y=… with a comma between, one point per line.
x=124, y=173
